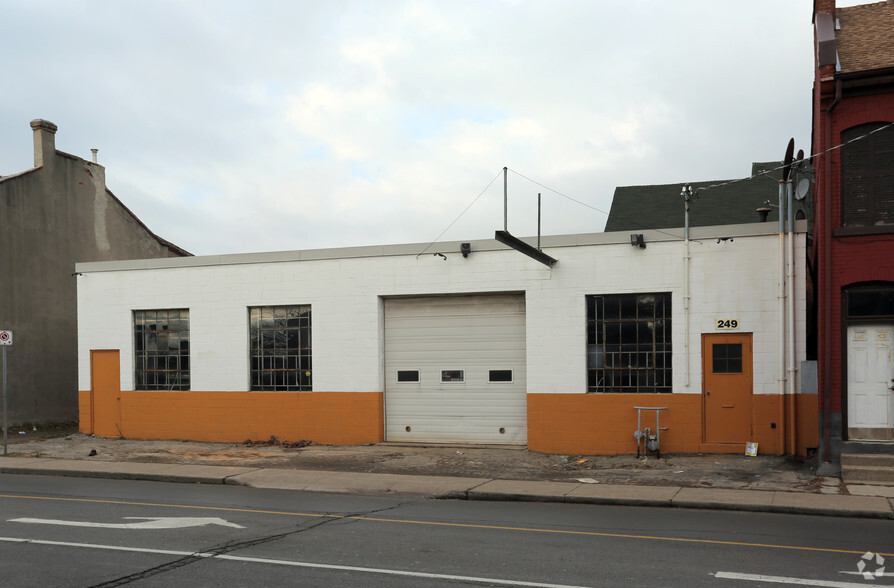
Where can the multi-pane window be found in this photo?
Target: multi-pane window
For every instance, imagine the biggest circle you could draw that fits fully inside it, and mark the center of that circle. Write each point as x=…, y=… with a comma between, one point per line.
x=280, y=347
x=161, y=349
x=629, y=343
x=867, y=176
x=726, y=358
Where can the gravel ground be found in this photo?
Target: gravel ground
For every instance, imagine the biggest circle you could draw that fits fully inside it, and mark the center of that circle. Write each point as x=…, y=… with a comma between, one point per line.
x=699, y=470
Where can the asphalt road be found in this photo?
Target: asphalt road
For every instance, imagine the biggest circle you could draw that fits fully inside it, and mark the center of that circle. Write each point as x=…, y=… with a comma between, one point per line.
x=97, y=532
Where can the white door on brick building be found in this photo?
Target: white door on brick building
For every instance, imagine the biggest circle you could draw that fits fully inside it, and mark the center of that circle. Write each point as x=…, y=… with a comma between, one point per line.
x=870, y=378
x=455, y=369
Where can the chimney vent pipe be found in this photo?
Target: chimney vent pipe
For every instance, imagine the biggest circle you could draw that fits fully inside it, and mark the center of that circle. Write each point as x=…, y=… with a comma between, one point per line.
x=44, y=141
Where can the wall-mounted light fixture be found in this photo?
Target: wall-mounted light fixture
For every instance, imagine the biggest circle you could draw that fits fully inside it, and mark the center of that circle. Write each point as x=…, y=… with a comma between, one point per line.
x=636, y=239
x=465, y=249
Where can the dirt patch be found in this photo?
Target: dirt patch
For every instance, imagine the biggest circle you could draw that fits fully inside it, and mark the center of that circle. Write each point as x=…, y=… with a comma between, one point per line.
x=274, y=442
x=516, y=463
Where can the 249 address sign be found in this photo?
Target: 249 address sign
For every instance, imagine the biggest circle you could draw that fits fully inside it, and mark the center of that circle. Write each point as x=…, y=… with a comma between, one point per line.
x=726, y=324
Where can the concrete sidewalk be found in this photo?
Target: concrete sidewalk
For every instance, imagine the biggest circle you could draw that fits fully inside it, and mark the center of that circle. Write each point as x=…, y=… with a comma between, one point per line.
x=469, y=488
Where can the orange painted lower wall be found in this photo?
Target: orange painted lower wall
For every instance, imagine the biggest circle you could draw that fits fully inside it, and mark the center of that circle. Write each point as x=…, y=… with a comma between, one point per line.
x=85, y=412
x=338, y=418
x=603, y=424
x=574, y=424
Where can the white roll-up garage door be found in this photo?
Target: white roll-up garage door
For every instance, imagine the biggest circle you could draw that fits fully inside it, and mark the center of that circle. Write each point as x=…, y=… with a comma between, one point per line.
x=455, y=369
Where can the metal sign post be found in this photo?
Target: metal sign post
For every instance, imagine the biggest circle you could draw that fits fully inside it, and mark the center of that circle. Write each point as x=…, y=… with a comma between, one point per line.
x=5, y=341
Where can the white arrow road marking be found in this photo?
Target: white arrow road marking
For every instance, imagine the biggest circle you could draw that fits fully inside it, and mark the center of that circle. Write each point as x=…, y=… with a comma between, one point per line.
x=300, y=564
x=147, y=523
x=791, y=581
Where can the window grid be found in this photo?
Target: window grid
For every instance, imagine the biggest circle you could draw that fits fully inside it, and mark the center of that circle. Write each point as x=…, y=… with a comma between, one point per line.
x=280, y=348
x=867, y=178
x=726, y=358
x=629, y=343
x=161, y=349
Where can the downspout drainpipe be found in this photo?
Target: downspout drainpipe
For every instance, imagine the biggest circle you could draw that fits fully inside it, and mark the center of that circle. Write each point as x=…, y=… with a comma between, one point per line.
x=687, y=193
x=826, y=266
x=793, y=416
x=781, y=310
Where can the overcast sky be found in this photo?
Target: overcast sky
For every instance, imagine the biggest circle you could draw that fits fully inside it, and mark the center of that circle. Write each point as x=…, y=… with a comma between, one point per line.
x=274, y=125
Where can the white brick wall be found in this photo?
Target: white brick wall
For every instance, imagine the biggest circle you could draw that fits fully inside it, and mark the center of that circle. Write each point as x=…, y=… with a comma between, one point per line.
x=731, y=279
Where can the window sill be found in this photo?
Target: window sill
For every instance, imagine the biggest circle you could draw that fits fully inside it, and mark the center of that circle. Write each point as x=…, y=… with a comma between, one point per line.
x=629, y=392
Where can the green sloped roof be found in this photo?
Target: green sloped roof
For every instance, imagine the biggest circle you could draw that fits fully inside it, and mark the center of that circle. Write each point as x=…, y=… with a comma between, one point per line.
x=717, y=202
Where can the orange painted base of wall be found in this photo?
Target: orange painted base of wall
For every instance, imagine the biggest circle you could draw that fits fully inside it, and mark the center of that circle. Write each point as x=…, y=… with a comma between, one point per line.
x=337, y=418
x=603, y=424
x=572, y=424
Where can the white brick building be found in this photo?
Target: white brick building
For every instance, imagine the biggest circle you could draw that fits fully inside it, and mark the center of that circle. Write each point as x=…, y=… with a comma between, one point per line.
x=381, y=343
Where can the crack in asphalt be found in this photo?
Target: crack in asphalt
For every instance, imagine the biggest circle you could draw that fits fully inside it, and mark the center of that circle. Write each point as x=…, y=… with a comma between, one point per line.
x=232, y=546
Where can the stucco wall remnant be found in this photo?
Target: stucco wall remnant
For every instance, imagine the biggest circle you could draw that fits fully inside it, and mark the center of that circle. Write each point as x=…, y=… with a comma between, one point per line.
x=52, y=216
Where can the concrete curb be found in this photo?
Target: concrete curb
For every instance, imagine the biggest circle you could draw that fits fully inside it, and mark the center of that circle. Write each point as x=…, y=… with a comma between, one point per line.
x=352, y=483
x=574, y=492
x=444, y=487
x=784, y=502
x=177, y=473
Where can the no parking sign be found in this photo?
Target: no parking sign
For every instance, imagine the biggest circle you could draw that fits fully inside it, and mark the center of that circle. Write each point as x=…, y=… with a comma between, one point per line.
x=5, y=337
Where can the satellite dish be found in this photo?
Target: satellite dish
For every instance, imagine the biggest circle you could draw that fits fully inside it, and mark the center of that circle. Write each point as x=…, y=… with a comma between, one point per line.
x=802, y=188
x=787, y=162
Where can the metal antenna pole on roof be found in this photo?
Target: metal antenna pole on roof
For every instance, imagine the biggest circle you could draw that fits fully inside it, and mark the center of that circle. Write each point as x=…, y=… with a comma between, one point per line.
x=538, y=221
x=505, y=200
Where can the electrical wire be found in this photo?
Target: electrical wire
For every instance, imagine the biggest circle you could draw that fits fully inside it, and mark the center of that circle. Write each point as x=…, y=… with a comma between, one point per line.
x=820, y=154
x=466, y=209
x=698, y=191
x=545, y=187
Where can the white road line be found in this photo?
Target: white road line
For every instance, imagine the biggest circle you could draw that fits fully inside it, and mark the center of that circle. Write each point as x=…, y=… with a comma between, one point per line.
x=300, y=564
x=793, y=581
x=107, y=547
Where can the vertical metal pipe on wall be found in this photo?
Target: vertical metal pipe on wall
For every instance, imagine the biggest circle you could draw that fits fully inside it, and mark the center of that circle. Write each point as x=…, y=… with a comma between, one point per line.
x=687, y=194
x=781, y=310
x=790, y=282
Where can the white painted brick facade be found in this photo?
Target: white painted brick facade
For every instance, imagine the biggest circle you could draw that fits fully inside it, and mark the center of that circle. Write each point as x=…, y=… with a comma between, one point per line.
x=730, y=279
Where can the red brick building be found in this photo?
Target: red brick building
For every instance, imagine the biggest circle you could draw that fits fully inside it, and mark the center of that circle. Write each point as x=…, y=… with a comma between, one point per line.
x=853, y=250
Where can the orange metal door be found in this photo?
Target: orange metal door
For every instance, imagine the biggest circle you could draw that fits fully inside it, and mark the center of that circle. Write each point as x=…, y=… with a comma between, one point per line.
x=105, y=392
x=727, y=387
